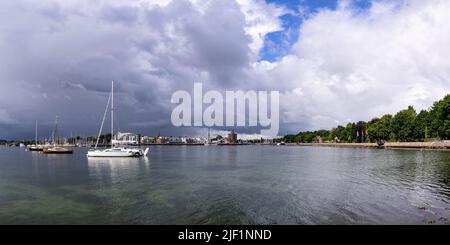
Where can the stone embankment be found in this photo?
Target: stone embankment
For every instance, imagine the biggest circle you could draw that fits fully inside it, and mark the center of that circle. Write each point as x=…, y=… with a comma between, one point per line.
x=438, y=145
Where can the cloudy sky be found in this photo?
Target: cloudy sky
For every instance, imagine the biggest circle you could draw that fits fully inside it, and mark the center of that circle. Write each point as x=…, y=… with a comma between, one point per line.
x=332, y=61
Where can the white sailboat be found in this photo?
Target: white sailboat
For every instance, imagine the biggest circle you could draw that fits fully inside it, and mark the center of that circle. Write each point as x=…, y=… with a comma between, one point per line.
x=114, y=151
x=36, y=146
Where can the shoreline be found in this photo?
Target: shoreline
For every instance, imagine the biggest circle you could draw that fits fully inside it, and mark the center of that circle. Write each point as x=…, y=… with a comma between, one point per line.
x=435, y=145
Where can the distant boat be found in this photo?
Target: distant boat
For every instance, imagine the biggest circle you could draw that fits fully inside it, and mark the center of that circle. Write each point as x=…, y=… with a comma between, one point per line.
x=55, y=149
x=114, y=151
x=36, y=146
x=281, y=143
x=209, y=141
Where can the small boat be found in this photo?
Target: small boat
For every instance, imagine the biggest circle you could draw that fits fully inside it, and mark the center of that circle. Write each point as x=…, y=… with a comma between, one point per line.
x=281, y=143
x=36, y=146
x=57, y=150
x=114, y=151
x=117, y=152
x=380, y=144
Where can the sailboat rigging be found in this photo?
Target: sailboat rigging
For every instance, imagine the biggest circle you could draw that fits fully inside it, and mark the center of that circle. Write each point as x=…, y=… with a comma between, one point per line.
x=56, y=148
x=36, y=146
x=113, y=151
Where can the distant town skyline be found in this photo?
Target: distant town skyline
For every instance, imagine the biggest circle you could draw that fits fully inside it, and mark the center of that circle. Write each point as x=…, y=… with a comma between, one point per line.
x=333, y=61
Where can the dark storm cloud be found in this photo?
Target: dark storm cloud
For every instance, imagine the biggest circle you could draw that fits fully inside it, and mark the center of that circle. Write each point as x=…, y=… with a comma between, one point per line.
x=59, y=59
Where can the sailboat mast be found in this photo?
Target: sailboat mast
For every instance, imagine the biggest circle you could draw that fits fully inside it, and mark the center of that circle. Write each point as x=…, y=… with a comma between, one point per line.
x=209, y=135
x=36, y=134
x=55, y=132
x=112, y=112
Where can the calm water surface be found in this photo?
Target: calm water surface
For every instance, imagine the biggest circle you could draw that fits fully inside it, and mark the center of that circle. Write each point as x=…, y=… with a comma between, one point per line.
x=227, y=185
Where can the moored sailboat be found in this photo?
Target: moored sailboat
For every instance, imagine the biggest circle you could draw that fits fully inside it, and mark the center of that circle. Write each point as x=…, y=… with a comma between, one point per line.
x=56, y=149
x=114, y=151
x=36, y=146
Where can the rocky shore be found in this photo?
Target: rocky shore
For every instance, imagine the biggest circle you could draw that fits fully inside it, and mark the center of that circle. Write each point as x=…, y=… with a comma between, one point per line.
x=434, y=145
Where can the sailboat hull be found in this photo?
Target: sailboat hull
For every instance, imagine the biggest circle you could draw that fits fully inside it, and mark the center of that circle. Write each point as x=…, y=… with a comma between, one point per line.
x=109, y=154
x=57, y=150
x=116, y=152
x=36, y=149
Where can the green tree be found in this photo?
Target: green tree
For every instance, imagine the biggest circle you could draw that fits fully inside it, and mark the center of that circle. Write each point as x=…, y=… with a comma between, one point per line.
x=403, y=124
x=360, y=131
x=350, y=132
x=289, y=138
x=380, y=129
x=440, y=118
x=339, y=133
x=406, y=125
x=421, y=124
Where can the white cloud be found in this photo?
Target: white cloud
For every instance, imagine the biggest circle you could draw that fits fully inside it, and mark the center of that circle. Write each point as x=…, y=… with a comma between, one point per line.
x=348, y=64
x=358, y=65
x=260, y=19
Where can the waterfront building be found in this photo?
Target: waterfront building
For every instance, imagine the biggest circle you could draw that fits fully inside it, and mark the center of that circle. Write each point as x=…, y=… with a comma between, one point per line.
x=231, y=138
x=217, y=140
x=145, y=140
x=126, y=139
x=176, y=140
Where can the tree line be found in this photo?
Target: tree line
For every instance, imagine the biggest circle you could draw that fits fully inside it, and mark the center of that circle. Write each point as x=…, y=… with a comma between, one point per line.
x=405, y=126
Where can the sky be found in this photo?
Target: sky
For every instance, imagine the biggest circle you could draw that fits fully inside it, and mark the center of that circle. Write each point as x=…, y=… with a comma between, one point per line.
x=332, y=61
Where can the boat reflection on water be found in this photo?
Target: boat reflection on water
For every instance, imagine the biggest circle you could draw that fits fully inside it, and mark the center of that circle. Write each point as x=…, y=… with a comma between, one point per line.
x=116, y=167
x=118, y=160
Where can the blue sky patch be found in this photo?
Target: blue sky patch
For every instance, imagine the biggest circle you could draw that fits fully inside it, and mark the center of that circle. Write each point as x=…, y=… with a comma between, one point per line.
x=278, y=44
